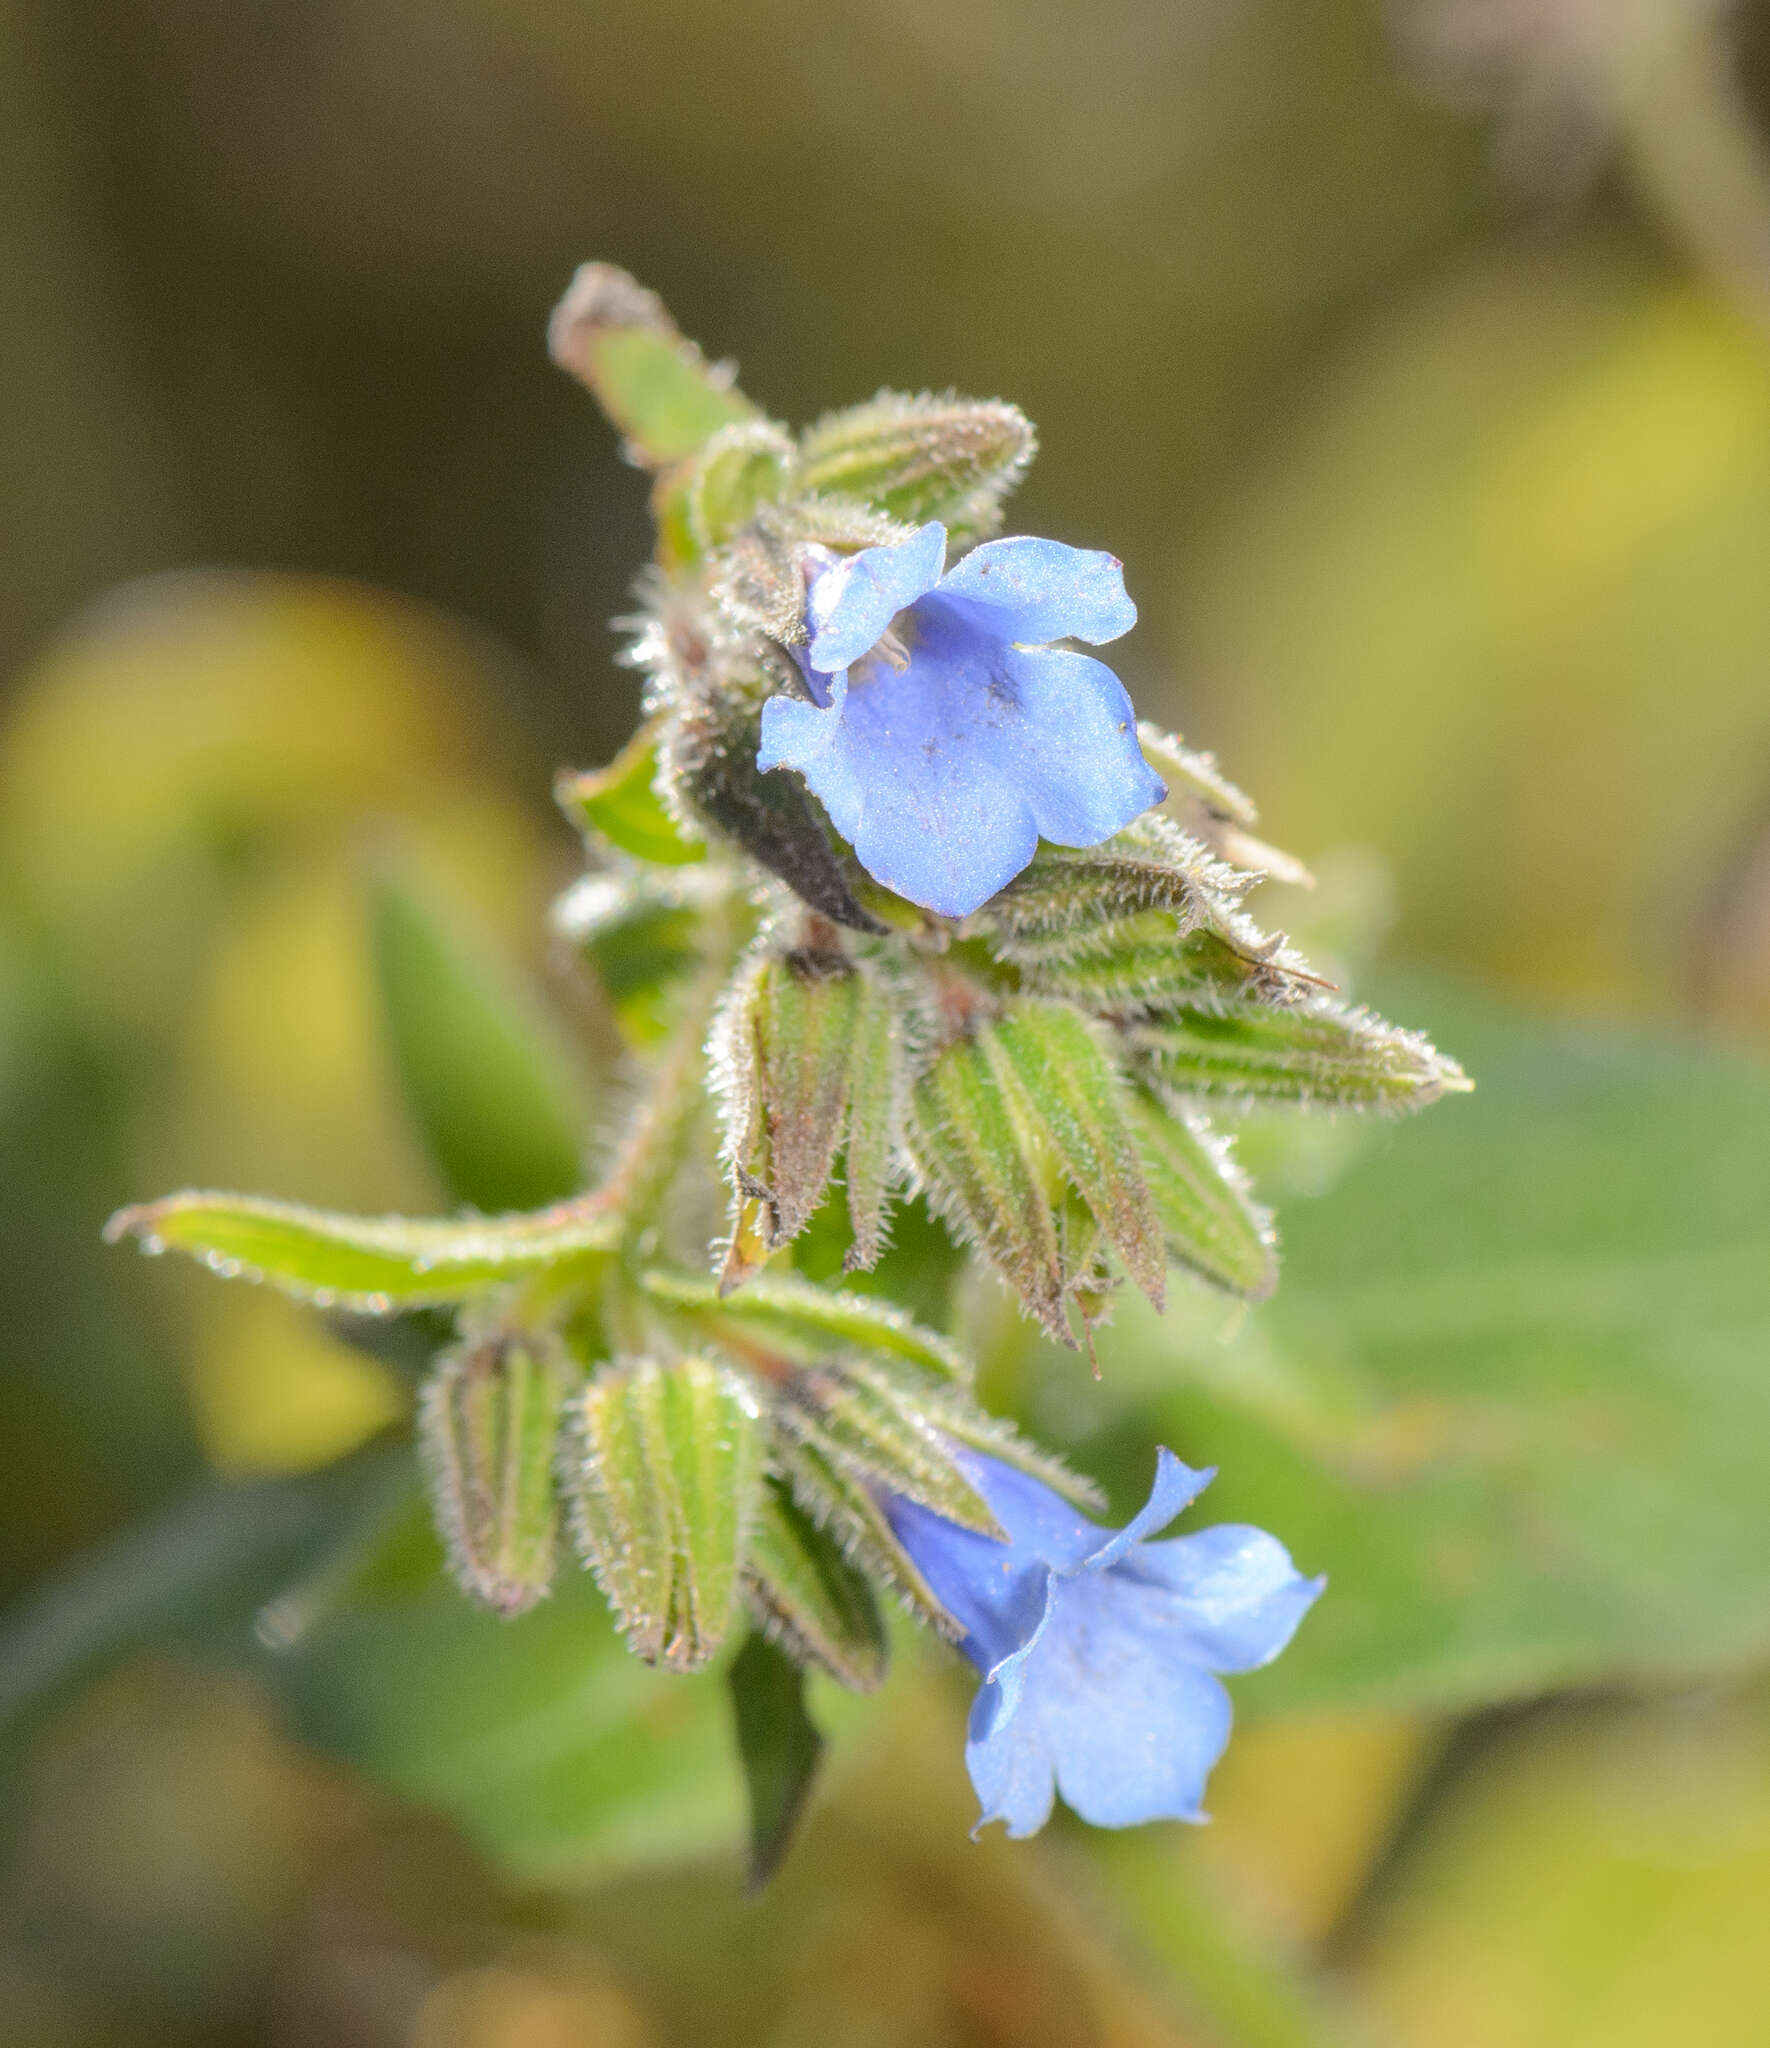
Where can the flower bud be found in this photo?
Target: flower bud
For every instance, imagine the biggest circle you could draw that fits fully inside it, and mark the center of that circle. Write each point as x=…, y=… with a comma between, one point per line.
x=487, y=1429
x=661, y=1465
x=946, y=458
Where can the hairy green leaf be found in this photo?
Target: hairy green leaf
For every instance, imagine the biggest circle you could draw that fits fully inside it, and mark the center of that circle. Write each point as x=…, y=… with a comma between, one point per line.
x=657, y=389
x=845, y=1508
x=786, y=1041
x=980, y=1166
x=867, y=1421
x=1211, y=1222
x=921, y=458
x=373, y=1264
x=1071, y=1089
x=798, y=1323
x=808, y=1594
x=875, y=1116
x=1316, y=1053
x=620, y=803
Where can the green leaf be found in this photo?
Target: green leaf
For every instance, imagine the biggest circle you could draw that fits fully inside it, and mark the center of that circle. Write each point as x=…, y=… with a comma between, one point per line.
x=496, y=1096
x=643, y=935
x=556, y=1751
x=1193, y=777
x=1315, y=1053
x=921, y=458
x=375, y=1265
x=1210, y=807
x=845, y=1508
x=778, y=1746
x=195, y=1576
x=1073, y=1092
x=982, y=1174
x=803, y=1324
x=744, y=466
x=620, y=803
x=957, y=1416
x=1511, y=1396
x=785, y=1047
x=1211, y=1222
x=865, y=1420
x=657, y=389
x=1141, y=965
x=810, y=1596
x=1151, y=865
x=661, y=1470
x=875, y=1116
x=488, y=1427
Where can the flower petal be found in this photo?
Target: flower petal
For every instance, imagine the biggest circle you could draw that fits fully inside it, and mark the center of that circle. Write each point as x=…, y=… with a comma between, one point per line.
x=1105, y=1702
x=1175, y=1486
x=1080, y=769
x=997, y=1592
x=851, y=604
x=1011, y=1767
x=1238, y=1598
x=1038, y=1520
x=1040, y=590
x=943, y=775
x=1132, y=1724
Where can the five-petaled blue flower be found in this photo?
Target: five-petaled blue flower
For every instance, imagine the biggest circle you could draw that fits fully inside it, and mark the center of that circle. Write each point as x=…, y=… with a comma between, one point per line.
x=944, y=736
x=1097, y=1648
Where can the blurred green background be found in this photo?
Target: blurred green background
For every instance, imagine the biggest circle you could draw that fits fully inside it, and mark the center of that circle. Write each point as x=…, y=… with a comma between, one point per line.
x=1417, y=362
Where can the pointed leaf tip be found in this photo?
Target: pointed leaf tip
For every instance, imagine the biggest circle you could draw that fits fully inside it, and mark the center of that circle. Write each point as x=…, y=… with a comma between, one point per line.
x=779, y=1747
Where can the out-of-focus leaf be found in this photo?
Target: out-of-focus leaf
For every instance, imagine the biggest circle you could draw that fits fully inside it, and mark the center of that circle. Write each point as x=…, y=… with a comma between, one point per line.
x=1523, y=1350
x=642, y=934
x=493, y=1090
x=1448, y=605
x=544, y=1738
x=778, y=1746
x=621, y=802
x=1596, y=1875
x=196, y=1575
x=374, y=1264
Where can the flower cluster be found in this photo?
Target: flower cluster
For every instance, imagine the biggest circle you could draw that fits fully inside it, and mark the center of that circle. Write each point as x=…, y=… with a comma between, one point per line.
x=896, y=871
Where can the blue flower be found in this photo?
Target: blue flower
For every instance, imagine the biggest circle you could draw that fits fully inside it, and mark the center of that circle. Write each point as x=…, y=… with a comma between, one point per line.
x=1098, y=1650
x=944, y=737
